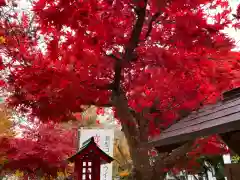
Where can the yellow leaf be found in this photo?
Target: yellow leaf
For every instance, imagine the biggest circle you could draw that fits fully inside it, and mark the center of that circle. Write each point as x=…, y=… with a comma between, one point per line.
x=124, y=174
x=6, y=128
x=60, y=174
x=19, y=173
x=2, y=40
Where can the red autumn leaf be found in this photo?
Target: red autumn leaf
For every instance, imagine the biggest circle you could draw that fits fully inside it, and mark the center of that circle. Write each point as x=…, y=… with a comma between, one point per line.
x=78, y=116
x=43, y=146
x=98, y=121
x=100, y=111
x=2, y=2
x=238, y=11
x=2, y=83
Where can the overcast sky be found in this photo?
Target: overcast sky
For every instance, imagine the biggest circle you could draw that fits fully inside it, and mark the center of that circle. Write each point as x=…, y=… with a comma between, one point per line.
x=230, y=31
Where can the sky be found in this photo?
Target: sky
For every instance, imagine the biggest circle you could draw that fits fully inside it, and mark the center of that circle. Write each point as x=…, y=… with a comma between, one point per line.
x=235, y=34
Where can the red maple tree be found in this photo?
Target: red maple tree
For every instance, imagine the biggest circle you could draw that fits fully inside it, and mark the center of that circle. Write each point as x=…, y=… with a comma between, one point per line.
x=152, y=61
x=42, y=150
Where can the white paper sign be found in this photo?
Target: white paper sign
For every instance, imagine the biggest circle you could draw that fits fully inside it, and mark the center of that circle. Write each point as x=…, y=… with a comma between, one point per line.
x=105, y=140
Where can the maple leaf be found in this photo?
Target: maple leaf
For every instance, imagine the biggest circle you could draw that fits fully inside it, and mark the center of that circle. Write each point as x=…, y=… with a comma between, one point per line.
x=2, y=2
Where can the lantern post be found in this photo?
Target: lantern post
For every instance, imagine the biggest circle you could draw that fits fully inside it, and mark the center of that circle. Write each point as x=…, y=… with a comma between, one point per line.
x=88, y=161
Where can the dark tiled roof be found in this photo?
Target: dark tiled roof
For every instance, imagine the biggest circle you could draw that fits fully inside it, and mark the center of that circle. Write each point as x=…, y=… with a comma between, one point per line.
x=213, y=119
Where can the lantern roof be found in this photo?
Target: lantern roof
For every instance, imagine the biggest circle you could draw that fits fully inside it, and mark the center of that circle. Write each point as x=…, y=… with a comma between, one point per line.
x=91, y=148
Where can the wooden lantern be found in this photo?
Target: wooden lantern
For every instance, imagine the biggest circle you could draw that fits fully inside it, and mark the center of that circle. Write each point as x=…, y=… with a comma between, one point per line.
x=88, y=160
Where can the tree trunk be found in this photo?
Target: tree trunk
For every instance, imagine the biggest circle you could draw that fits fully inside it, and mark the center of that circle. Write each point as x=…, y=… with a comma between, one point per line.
x=142, y=170
x=136, y=133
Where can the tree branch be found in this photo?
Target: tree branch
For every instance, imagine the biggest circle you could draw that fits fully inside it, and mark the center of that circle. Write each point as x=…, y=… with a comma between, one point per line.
x=132, y=44
x=114, y=57
x=117, y=77
x=177, y=153
x=97, y=104
x=170, y=159
x=134, y=40
x=105, y=87
x=142, y=123
x=128, y=121
x=150, y=25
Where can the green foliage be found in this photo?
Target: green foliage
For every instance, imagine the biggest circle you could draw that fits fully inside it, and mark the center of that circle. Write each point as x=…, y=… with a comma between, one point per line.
x=235, y=159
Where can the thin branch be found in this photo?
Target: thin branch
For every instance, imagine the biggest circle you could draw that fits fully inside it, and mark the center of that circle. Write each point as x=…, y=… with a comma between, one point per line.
x=195, y=177
x=134, y=8
x=97, y=104
x=150, y=25
x=105, y=87
x=114, y=57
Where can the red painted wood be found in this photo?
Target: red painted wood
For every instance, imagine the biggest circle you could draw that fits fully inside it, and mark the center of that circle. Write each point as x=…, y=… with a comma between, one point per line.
x=88, y=162
x=90, y=167
x=97, y=168
x=78, y=169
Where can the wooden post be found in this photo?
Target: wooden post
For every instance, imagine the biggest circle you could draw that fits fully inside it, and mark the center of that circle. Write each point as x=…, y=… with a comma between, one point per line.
x=78, y=169
x=96, y=169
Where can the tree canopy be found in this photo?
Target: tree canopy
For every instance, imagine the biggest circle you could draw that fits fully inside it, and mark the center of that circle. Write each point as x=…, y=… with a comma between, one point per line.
x=173, y=59
x=152, y=61
x=41, y=151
